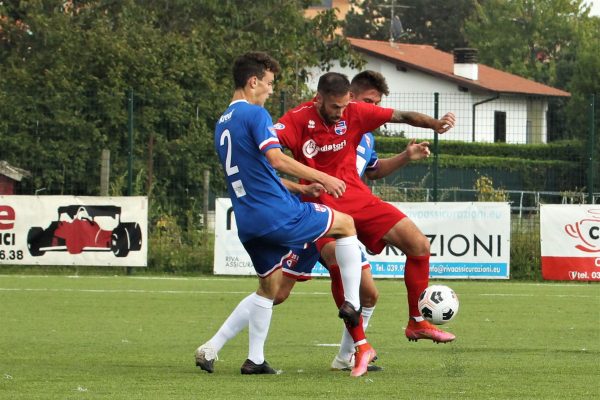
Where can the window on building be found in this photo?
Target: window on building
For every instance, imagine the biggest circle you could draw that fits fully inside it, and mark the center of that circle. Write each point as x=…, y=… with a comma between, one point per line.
x=499, y=127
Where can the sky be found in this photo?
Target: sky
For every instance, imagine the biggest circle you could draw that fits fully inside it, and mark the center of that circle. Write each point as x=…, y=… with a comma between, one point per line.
x=595, y=10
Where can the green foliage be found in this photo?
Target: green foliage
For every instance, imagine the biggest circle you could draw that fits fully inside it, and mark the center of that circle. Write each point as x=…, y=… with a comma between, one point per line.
x=535, y=35
x=432, y=22
x=554, y=166
x=566, y=150
x=485, y=190
x=67, y=70
x=525, y=258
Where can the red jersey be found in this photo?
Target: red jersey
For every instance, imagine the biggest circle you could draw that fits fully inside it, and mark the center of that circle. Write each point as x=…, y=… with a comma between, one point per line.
x=332, y=148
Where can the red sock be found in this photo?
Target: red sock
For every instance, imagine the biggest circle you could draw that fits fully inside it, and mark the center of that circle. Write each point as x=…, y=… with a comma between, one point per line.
x=416, y=279
x=337, y=287
x=337, y=290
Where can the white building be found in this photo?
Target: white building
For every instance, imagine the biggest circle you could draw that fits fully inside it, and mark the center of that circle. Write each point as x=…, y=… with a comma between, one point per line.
x=490, y=105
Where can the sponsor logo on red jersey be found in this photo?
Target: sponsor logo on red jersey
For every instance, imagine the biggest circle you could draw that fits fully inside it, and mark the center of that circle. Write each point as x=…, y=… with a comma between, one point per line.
x=310, y=148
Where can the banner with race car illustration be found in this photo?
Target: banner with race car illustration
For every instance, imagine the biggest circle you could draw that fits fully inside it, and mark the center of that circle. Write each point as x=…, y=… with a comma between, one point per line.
x=468, y=240
x=570, y=236
x=70, y=230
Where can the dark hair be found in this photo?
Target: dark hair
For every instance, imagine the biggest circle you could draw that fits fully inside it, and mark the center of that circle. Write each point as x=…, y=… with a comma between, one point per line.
x=333, y=83
x=253, y=64
x=367, y=80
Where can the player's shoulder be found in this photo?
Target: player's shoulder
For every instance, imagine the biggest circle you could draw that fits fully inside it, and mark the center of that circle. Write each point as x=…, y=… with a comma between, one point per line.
x=304, y=108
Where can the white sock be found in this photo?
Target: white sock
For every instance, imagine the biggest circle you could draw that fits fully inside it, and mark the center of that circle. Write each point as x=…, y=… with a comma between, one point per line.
x=348, y=256
x=347, y=344
x=260, y=319
x=236, y=321
x=366, y=314
x=418, y=319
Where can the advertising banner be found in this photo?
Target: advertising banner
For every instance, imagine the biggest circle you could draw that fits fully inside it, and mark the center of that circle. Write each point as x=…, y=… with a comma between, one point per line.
x=570, y=236
x=468, y=240
x=70, y=230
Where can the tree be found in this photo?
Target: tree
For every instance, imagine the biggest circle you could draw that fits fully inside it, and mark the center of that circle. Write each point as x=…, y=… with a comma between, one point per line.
x=67, y=68
x=535, y=34
x=550, y=41
x=432, y=22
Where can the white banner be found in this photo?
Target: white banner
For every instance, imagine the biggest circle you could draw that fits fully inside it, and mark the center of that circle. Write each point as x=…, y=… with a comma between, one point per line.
x=570, y=236
x=70, y=230
x=468, y=240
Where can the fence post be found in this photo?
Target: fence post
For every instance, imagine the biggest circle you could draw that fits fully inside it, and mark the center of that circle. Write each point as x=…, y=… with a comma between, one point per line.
x=281, y=103
x=592, y=149
x=104, y=172
x=436, y=111
x=129, y=270
x=206, y=195
x=130, y=152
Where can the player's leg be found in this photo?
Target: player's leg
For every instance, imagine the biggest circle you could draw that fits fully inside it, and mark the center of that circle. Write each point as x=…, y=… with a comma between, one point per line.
x=296, y=270
x=348, y=255
x=352, y=337
x=261, y=311
x=285, y=288
x=407, y=237
x=253, y=311
x=357, y=353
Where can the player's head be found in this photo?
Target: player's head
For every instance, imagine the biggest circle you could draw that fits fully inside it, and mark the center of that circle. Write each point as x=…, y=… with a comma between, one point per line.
x=255, y=72
x=333, y=96
x=368, y=86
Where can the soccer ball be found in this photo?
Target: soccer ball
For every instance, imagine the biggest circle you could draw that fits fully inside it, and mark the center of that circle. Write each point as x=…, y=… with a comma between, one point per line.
x=438, y=304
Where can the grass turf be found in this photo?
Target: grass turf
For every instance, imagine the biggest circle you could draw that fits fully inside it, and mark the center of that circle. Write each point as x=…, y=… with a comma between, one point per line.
x=133, y=337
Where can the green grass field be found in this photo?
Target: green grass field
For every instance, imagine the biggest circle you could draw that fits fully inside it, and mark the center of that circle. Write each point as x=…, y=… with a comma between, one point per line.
x=134, y=337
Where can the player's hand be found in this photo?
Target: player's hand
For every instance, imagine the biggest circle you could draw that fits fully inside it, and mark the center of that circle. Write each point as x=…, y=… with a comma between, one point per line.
x=313, y=190
x=334, y=186
x=417, y=151
x=445, y=123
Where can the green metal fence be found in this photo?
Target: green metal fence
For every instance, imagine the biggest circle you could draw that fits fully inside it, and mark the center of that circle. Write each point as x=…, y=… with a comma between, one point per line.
x=522, y=147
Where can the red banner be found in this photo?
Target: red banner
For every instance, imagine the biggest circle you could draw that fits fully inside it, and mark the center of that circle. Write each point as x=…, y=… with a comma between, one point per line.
x=571, y=268
x=570, y=242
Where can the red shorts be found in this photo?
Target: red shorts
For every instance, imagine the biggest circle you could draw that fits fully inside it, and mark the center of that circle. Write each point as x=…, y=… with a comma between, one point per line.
x=372, y=222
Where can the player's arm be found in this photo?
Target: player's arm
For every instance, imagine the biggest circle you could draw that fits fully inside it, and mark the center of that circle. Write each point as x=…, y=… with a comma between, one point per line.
x=414, y=151
x=424, y=121
x=311, y=190
x=287, y=165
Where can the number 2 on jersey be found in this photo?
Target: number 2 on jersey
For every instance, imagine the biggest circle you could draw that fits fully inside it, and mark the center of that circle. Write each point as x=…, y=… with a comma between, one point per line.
x=229, y=169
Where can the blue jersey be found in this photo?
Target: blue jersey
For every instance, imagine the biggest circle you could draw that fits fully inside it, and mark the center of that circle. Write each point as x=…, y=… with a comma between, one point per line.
x=366, y=156
x=261, y=203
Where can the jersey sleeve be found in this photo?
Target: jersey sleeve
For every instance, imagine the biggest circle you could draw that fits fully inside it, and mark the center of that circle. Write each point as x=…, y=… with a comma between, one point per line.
x=372, y=117
x=374, y=159
x=286, y=131
x=263, y=132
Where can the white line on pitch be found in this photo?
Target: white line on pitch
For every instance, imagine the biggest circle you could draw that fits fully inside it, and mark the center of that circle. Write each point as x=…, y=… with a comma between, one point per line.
x=142, y=291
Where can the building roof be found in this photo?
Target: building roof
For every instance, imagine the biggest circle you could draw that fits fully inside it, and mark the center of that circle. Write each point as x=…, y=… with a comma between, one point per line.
x=14, y=173
x=435, y=62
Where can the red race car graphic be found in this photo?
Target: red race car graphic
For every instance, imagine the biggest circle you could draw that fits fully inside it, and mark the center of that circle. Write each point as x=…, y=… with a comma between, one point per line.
x=82, y=228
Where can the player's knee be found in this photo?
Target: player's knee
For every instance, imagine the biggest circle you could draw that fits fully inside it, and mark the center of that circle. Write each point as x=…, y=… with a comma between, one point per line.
x=345, y=225
x=328, y=254
x=419, y=247
x=280, y=297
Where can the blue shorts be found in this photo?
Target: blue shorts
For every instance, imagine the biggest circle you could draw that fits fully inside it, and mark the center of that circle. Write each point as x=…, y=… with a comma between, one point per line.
x=300, y=268
x=282, y=246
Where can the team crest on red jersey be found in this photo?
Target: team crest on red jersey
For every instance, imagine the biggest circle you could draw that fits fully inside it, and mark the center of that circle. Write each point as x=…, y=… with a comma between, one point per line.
x=340, y=128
